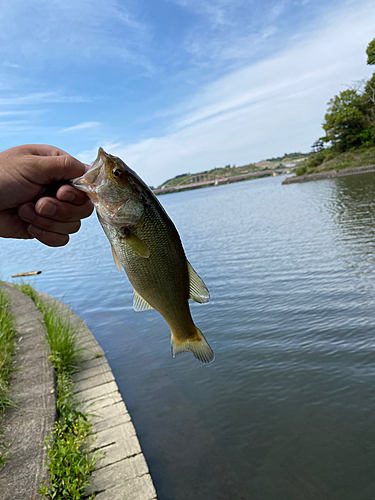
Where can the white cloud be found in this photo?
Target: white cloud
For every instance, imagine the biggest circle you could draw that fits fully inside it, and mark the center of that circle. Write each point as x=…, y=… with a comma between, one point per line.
x=8, y=64
x=39, y=98
x=264, y=109
x=15, y=113
x=81, y=126
x=278, y=9
x=14, y=126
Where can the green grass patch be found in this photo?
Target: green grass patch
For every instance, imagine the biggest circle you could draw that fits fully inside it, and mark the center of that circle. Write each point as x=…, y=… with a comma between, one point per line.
x=7, y=351
x=68, y=457
x=328, y=159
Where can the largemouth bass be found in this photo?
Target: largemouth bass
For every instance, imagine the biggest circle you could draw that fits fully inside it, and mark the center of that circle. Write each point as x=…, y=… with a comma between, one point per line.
x=146, y=244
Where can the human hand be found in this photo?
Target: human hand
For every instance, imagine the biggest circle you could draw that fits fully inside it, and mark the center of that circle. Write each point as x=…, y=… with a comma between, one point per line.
x=25, y=173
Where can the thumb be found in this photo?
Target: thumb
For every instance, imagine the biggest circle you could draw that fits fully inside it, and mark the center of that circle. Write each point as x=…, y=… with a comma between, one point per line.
x=58, y=168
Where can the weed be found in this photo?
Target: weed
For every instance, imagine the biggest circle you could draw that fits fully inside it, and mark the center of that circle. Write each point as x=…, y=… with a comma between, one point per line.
x=7, y=350
x=69, y=459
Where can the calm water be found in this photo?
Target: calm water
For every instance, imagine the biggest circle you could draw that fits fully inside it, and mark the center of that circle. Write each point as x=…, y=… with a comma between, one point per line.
x=287, y=409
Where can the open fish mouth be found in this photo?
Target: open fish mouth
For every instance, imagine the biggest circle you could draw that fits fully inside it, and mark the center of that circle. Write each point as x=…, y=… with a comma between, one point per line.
x=92, y=178
x=82, y=185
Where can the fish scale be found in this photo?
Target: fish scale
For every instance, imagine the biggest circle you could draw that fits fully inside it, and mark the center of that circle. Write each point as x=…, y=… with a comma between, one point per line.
x=164, y=274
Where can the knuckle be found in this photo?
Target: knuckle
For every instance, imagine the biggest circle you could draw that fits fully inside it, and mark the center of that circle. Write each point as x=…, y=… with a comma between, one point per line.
x=44, y=223
x=67, y=213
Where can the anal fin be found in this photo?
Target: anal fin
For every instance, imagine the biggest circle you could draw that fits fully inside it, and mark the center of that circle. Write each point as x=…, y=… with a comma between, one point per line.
x=140, y=304
x=197, y=289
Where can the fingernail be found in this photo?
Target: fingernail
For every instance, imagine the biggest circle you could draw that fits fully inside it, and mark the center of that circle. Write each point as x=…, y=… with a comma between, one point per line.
x=27, y=212
x=34, y=231
x=47, y=209
x=68, y=196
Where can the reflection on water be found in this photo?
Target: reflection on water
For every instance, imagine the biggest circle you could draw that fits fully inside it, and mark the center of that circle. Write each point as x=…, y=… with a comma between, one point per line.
x=287, y=409
x=352, y=207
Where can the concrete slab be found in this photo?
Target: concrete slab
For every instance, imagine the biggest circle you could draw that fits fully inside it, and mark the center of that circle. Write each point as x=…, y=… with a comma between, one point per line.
x=90, y=373
x=139, y=488
x=92, y=363
x=110, y=413
x=118, y=474
x=121, y=433
x=97, y=392
x=92, y=351
x=114, y=453
x=93, y=382
x=108, y=423
x=95, y=405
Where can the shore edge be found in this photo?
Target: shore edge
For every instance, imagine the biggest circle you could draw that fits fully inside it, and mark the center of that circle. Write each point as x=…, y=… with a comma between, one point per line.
x=330, y=174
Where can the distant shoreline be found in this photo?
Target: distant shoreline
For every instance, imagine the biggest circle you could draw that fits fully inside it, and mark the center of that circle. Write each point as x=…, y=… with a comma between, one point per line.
x=218, y=181
x=330, y=174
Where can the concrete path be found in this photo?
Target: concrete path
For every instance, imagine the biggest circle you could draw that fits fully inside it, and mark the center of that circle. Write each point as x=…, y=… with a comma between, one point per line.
x=26, y=427
x=122, y=473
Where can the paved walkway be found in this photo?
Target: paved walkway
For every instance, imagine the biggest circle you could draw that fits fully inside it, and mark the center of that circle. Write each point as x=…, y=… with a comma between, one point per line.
x=123, y=473
x=26, y=426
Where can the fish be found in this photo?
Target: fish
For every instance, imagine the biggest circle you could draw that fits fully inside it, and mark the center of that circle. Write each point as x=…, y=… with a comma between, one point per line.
x=146, y=244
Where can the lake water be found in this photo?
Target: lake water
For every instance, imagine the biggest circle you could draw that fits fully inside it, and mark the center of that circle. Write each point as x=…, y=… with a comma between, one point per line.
x=287, y=409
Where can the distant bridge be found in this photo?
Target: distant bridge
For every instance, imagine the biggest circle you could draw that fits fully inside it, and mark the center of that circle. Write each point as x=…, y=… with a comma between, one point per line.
x=200, y=180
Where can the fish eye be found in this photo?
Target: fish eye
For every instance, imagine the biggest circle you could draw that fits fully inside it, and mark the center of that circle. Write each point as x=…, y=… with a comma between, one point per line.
x=117, y=172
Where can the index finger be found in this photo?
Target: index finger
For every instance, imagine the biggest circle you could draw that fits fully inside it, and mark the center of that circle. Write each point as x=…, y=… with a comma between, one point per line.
x=72, y=195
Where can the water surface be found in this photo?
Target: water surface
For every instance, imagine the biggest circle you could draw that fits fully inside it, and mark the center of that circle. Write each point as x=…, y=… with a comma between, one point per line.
x=286, y=411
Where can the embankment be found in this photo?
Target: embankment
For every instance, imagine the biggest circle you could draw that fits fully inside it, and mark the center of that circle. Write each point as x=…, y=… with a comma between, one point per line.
x=330, y=174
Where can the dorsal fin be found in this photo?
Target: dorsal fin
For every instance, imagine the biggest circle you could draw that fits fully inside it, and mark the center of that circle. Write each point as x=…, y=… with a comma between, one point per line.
x=197, y=289
x=139, y=304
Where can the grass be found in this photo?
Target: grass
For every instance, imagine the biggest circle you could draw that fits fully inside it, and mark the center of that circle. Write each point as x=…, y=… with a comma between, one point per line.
x=7, y=351
x=68, y=457
x=327, y=160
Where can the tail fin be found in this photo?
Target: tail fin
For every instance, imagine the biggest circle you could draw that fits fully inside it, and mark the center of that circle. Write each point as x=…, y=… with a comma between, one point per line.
x=197, y=344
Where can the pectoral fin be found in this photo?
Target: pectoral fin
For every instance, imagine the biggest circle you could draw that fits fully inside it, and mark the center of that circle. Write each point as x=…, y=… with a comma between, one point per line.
x=117, y=260
x=139, y=304
x=136, y=244
x=197, y=289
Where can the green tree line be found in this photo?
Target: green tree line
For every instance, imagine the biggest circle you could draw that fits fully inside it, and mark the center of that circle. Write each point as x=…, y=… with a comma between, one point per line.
x=349, y=122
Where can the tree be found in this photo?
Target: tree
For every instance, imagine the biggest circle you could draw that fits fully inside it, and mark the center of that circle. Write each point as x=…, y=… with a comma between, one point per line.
x=350, y=119
x=369, y=98
x=370, y=51
x=317, y=146
x=344, y=120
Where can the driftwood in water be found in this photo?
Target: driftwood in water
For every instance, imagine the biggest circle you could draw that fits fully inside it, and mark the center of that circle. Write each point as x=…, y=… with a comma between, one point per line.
x=29, y=273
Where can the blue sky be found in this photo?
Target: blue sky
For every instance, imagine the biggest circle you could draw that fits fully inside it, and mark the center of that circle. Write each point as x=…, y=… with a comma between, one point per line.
x=176, y=86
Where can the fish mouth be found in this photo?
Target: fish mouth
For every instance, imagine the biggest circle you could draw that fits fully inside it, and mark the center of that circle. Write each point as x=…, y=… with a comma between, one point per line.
x=82, y=184
x=89, y=182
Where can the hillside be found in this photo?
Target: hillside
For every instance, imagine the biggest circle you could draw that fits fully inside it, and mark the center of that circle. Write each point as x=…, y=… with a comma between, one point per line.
x=325, y=161
x=288, y=160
